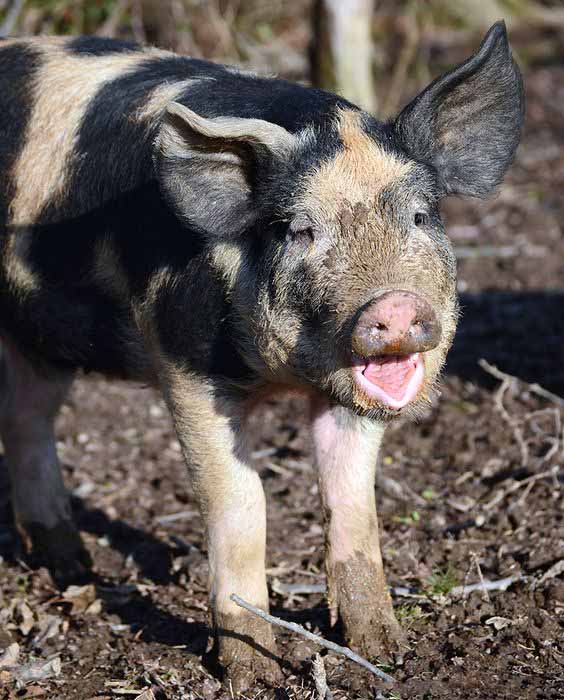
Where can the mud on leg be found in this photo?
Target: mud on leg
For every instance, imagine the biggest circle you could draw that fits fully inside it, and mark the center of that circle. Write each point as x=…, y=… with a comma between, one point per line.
x=346, y=449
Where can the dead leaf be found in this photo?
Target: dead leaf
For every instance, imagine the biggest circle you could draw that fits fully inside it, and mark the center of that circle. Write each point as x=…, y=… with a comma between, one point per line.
x=10, y=656
x=120, y=688
x=146, y=695
x=38, y=670
x=23, y=617
x=499, y=622
x=464, y=504
x=94, y=608
x=35, y=691
x=80, y=597
x=49, y=626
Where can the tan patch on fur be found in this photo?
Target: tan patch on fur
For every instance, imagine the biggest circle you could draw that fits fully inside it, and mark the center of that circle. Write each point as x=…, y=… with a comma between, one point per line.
x=18, y=273
x=227, y=486
x=228, y=259
x=144, y=313
x=108, y=271
x=63, y=88
x=356, y=174
x=162, y=96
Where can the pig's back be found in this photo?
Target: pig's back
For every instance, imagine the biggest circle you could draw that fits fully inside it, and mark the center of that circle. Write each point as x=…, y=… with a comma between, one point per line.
x=79, y=117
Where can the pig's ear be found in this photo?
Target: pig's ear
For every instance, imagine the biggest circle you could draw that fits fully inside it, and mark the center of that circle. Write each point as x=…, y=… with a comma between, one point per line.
x=467, y=123
x=208, y=168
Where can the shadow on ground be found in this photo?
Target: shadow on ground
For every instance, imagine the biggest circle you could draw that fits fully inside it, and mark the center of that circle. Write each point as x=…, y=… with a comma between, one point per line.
x=153, y=559
x=520, y=332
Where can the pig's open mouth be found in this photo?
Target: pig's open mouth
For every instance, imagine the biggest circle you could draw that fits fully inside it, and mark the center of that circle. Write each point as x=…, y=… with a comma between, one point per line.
x=392, y=380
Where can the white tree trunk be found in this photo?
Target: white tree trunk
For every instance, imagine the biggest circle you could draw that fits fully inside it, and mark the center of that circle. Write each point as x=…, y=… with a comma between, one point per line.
x=342, y=51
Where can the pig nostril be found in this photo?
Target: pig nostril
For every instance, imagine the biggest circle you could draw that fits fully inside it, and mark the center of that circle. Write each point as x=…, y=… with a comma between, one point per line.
x=396, y=323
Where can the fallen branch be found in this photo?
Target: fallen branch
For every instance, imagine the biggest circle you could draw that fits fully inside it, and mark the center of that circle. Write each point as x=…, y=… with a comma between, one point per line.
x=507, y=382
x=501, y=584
x=291, y=589
x=554, y=571
x=529, y=481
x=533, y=388
x=482, y=585
x=298, y=629
x=173, y=517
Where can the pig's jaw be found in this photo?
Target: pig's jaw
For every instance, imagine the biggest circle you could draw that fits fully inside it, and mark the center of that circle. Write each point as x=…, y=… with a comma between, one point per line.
x=391, y=381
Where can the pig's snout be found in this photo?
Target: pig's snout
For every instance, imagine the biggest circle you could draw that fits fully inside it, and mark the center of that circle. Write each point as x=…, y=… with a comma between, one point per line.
x=396, y=323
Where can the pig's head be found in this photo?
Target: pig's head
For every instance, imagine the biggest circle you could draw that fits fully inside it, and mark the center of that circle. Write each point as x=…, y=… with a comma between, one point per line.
x=329, y=238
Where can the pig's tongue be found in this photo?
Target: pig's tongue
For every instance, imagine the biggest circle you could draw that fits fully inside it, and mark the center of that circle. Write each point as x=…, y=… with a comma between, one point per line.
x=391, y=374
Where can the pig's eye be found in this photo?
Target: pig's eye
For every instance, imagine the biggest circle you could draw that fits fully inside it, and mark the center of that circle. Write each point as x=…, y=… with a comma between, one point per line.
x=301, y=230
x=303, y=234
x=421, y=218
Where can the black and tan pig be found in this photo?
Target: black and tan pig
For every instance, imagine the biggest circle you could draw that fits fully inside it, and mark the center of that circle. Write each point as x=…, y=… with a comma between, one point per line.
x=223, y=235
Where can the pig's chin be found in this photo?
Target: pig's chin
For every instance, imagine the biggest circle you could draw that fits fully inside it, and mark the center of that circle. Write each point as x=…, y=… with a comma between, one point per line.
x=392, y=382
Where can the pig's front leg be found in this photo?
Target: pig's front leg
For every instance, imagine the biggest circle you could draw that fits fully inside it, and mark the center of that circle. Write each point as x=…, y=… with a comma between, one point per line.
x=346, y=449
x=232, y=502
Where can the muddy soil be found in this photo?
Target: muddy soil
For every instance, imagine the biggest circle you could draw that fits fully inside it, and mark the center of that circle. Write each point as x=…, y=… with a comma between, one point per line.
x=474, y=491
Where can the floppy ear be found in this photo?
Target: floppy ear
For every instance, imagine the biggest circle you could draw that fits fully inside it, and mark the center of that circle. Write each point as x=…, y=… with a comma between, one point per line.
x=467, y=123
x=207, y=168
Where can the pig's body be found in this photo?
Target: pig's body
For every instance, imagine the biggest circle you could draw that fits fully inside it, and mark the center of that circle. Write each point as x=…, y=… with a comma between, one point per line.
x=173, y=221
x=92, y=206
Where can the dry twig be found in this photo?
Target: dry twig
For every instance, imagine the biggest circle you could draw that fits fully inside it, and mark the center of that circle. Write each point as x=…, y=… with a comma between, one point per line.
x=483, y=588
x=320, y=679
x=533, y=388
x=298, y=629
x=554, y=571
x=499, y=585
x=292, y=589
x=528, y=483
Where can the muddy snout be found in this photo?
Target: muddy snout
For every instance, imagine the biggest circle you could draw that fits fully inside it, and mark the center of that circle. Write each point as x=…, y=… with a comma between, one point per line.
x=396, y=323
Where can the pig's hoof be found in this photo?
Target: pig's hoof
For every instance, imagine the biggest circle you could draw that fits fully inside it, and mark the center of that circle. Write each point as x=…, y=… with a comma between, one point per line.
x=241, y=676
x=247, y=652
x=365, y=608
x=377, y=638
x=59, y=549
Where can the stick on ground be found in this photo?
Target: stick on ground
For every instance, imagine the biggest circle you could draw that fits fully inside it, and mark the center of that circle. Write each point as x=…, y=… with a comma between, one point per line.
x=298, y=629
x=533, y=388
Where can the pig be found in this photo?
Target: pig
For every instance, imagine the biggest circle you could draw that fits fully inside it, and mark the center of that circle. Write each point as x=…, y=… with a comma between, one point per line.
x=224, y=236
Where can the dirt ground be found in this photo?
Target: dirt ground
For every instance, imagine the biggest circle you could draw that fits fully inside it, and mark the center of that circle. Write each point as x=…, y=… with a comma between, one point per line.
x=474, y=490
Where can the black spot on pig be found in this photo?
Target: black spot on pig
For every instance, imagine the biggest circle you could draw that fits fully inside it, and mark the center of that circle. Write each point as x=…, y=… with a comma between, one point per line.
x=100, y=46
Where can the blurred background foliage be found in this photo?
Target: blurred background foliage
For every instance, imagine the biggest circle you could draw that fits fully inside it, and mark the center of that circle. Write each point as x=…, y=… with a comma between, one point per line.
x=410, y=40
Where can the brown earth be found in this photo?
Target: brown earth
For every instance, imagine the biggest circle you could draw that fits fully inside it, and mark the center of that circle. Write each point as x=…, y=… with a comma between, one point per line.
x=474, y=490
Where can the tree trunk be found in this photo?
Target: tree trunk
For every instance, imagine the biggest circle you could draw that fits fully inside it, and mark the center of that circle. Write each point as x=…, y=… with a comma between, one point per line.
x=342, y=50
